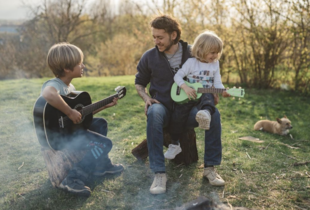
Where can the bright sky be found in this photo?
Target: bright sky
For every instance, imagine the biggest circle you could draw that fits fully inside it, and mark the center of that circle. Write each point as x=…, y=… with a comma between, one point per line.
x=14, y=9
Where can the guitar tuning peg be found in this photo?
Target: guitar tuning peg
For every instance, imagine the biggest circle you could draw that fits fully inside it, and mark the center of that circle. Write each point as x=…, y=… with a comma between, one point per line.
x=234, y=86
x=239, y=87
x=233, y=98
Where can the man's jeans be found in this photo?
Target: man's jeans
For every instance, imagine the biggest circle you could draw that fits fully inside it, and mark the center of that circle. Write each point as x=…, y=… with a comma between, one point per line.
x=158, y=117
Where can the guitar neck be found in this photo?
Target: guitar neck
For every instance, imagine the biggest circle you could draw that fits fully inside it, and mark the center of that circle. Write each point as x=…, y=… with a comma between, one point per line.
x=210, y=90
x=95, y=106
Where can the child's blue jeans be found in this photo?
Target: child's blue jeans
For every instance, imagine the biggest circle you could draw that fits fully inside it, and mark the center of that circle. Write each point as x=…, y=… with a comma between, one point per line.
x=181, y=113
x=96, y=143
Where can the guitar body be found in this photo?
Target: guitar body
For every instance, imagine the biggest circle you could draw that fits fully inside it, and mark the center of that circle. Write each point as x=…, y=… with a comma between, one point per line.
x=178, y=94
x=53, y=127
x=47, y=119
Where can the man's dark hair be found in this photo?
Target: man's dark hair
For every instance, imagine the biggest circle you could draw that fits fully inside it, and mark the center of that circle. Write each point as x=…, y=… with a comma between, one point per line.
x=169, y=24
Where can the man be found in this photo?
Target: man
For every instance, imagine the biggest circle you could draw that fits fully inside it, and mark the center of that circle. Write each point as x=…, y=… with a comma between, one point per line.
x=157, y=67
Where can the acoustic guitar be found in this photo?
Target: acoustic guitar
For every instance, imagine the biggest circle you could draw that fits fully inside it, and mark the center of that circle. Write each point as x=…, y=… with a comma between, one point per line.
x=52, y=126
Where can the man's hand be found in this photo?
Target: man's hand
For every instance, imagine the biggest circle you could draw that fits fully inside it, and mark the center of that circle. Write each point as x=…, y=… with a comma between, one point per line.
x=216, y=98
x=225, y=94
x=146, y=98
x=148, y=103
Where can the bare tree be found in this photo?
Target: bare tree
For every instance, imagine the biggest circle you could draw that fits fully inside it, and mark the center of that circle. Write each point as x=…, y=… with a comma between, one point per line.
x=297, y=55
x=55, y=21
x=7, y=58
x=265, y=39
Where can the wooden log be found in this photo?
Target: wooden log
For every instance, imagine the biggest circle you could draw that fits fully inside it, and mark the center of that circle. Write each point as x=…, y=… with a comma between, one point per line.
x=141, y=152
x=189, y=152
x=59, y=163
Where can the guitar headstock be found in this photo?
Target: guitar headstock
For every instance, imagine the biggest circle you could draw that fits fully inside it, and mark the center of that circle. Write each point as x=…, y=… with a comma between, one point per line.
x=236, y=92
x=121, y=91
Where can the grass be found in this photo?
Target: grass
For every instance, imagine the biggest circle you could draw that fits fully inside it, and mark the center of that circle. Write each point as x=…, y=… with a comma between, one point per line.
x=258, y=175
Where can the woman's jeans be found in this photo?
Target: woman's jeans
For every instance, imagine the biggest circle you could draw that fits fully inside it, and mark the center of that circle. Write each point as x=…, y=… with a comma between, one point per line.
x=158, y=117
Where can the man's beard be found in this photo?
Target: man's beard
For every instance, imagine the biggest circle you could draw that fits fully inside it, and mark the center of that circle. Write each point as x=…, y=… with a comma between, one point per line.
x=170, y=45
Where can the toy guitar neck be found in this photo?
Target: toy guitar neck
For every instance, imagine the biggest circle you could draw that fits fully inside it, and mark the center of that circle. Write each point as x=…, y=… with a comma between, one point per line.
x=210, y=90
x=179, y=95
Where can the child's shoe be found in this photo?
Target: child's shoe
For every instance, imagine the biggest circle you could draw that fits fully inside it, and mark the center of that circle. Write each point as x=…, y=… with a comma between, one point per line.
x=110, y=169
x=203, y=117
x=75, y=186
x=172, y=151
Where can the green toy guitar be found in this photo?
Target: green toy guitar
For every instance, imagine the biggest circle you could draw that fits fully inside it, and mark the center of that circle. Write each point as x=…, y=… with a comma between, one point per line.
x=179, y=95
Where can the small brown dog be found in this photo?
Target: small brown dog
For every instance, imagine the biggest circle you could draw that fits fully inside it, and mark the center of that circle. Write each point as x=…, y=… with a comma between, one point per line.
x=281, y=126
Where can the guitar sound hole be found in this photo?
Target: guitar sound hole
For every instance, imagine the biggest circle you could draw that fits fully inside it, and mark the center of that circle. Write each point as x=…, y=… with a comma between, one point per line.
x=178, y=90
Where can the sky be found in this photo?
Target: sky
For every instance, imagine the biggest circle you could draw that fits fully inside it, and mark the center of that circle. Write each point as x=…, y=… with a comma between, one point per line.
x=14, y=9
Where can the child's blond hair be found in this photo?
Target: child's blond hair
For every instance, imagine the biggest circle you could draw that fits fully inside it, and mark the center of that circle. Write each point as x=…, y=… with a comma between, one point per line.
x=205, y=43
x=63, y=56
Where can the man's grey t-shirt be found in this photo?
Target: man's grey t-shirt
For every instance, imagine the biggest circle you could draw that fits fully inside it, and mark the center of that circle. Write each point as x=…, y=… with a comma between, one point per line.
x=175, y=60
x=59, y=85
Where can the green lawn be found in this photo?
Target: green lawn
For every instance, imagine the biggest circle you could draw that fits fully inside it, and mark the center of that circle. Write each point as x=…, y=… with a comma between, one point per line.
x=257, y=175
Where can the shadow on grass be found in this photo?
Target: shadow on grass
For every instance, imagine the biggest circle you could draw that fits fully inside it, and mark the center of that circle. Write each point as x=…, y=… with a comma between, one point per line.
x=45, y=197
x=180, y=186
x=48, y=197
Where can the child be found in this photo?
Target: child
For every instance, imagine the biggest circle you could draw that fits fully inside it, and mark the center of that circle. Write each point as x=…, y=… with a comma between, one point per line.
x=66, y=62
x=203, y=68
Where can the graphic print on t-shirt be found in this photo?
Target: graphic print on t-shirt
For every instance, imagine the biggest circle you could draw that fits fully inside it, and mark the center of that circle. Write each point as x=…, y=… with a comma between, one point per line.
x=205, y=77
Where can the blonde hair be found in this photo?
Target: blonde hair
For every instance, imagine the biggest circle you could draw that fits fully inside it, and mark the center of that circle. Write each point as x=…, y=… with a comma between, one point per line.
x=205, y=43
x=63, y=56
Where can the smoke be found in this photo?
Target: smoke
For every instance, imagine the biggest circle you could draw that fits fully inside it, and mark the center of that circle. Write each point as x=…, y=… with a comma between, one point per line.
x=20, y=156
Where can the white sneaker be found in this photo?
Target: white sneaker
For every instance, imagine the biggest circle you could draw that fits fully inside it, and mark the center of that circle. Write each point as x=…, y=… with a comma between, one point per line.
x=203, y=117
x=213, y=177
x=172, y=151
x=159, y=184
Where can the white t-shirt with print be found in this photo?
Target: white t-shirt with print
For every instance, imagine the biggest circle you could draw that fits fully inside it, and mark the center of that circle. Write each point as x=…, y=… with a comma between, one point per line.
x=208, y=74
